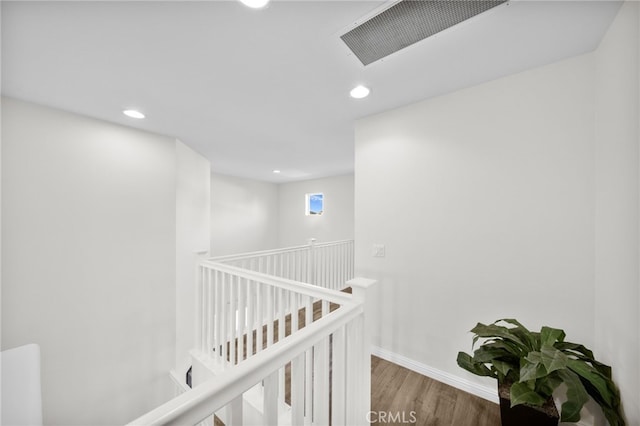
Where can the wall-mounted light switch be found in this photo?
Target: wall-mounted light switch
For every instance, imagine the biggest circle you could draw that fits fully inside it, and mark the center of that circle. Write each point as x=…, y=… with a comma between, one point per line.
x=378, y=250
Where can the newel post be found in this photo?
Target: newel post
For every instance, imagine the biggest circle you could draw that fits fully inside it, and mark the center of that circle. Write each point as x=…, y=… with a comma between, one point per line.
x=311, y=262
x=362, y=289
x=199, y=256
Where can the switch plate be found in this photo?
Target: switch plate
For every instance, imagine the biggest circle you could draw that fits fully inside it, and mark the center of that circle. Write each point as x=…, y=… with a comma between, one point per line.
x=378, y=250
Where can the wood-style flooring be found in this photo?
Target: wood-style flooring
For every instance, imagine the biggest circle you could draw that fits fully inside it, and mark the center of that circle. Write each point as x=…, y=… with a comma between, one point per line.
x=400, y=396
x=424, y=401
x=403, y=397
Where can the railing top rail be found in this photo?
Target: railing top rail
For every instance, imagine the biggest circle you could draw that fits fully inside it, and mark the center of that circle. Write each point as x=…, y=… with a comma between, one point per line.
x=290, y=285
x=262, y=253
x=199, y=402
x=333, y=243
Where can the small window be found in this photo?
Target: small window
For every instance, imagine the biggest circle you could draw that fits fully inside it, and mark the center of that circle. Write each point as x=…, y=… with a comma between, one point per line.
x=314, y=204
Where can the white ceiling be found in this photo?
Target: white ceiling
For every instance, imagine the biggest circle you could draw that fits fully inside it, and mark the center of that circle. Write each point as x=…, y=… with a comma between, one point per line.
x=257, y=90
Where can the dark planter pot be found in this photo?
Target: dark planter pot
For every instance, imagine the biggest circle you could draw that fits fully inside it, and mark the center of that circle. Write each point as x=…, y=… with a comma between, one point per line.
x=525, y=415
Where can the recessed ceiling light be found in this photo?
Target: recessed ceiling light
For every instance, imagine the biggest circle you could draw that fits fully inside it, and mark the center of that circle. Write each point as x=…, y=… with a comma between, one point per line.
x=133, y=113
x=255, y=4
x=276, y=171
x=359, y=92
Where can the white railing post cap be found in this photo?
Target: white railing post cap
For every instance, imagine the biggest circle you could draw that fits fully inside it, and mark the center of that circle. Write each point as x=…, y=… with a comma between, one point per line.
x=363, y=283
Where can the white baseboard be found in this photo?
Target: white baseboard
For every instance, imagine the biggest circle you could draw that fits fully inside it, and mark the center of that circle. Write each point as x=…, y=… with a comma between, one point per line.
x=490, y=394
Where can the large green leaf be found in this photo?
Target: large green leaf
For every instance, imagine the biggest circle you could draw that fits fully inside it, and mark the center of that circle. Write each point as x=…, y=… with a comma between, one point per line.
x=612, y=412
x=513, y=349
x=595, y=378
x=503, y=367
x=553, y=359
x=513, y=322
x=530, y=372
x=613, y=416
x=522, y=333
x=488, y=353
x=522, y=394
x=492, y=331
x=549, y=336
x=531, y=367
x=549, y=384
x=568, y=346
x=465, y=361
x=582, y=353
x=576, y=396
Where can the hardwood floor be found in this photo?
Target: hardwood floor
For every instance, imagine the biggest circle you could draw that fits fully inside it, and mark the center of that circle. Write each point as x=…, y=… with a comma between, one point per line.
x=397, y=391
x=403, y=397
x=400, y=396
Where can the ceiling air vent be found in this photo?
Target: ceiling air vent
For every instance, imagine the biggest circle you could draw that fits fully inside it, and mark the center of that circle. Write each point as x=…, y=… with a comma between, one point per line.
x=407, y=22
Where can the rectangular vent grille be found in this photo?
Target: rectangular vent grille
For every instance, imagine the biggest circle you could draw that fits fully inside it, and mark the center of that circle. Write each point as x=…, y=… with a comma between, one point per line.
x=408, y=22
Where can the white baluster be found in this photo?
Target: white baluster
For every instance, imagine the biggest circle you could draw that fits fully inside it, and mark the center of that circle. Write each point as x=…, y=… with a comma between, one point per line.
x=354, y=385
x=199, y=310
x=297, y=390
x=352, y=268
x=328, y=267
x=236, y=412
x=270, y=317
x=339, y=267
x=270, y=415
x=210, y=311
x=242, y=315
x=294, y=312
x=338, y=391
x=323, y=270
x=287, y=266
x=206, y=288
x=281, y=331
x=224, y=319
x=309, y=277
x=308, y=380
x=218, y=342
x=233, y=313
x=321, y=383
x=295, y=265
x=282, y=297
x=251, y=319
x=337, y=264
x=260, y=316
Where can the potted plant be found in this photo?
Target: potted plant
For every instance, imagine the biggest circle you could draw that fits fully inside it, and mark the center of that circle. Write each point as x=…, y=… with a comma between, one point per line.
x=529, y=366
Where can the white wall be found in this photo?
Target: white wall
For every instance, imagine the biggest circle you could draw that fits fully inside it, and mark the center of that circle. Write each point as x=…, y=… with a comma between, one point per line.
x=249, y=215
x=484, y=200
x=337, y=221
x=0, y=223
x=88, y=260
x=192, y=235
x=617, y=198
x=244, y=215
x=515, y=198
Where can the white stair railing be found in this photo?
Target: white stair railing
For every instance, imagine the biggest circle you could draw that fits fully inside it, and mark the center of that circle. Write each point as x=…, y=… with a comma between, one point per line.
x=228, y=388
x=271, y=349
x=327, y=265
x=327, y=356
